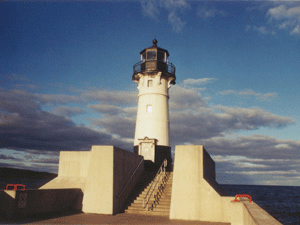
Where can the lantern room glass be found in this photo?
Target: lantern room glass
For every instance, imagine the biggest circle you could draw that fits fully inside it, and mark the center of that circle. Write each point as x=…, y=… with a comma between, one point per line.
x=151, y=55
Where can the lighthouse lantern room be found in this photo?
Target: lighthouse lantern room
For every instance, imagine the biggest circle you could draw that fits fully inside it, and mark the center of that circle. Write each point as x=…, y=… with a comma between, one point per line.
x=154, y=75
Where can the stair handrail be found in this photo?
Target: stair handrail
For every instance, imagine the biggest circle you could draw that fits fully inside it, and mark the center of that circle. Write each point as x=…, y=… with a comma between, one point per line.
x=162, y=169
x=128, y=182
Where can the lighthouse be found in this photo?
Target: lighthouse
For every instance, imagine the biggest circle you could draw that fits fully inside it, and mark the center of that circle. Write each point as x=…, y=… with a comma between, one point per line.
x=154, y=75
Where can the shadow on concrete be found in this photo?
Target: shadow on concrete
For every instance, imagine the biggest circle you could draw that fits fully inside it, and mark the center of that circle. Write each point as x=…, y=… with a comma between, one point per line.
x=37, y=217
x=144, y=180
x=39, y=205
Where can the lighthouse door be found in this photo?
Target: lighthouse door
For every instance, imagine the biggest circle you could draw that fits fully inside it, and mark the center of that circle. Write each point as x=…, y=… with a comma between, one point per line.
x=147, y=149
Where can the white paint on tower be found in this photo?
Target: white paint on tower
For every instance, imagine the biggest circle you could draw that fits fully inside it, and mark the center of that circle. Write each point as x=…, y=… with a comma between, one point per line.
x=154, y=76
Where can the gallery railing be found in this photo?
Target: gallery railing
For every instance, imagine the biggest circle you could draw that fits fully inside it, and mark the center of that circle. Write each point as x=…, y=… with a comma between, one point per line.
x=153, y=65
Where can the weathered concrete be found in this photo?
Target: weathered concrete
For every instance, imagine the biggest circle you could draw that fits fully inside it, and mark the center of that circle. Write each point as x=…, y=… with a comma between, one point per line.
x=196, y=195
x=103, y=174
x=7, y=203
x=30, y=202
x=74, y=164
x=253, y=214
x=120, y=219
x=72, y=170
x=98, y=196
x=109, y=171
x=193, y=198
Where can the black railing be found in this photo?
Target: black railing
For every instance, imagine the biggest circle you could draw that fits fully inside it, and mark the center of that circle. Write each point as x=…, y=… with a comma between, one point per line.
x=153, y=65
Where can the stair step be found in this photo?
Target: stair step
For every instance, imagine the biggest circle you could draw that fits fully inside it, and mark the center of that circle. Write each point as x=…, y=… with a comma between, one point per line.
x=163, y=206
x=141, y=199
x=144, y=212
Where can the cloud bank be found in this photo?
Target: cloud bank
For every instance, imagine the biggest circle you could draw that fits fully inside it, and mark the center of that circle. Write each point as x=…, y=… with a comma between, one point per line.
x=249, y=92
x=279, y=16
x=38, y=124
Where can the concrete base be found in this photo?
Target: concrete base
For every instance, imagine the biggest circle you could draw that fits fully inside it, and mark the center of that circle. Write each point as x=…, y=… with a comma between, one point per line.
x=197, y=196
x=106, y=176
x=16, y=204
x=195, y=193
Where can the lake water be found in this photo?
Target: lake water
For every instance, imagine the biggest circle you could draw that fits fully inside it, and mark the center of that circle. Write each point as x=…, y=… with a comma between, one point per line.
x=282, y=202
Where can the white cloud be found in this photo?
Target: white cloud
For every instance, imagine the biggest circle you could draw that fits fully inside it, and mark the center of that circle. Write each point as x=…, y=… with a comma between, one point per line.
x=185, y=98
x=286, y=17
x=121, y=126
x=200, y=81
x=193, y=121
x=174, y=8
x=24, y=125
x=249, y=92
x=280, y=16
x=296, y=30
x=209, y=11
x=112, y=110
x=261, y=29
x=150, y=8
x=67, y=111
x=274, y=172
x=176, y=22
x=283, y=12
x=120, y=98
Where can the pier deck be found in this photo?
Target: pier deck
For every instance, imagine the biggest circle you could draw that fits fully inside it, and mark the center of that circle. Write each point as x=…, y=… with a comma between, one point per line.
x=123, y=218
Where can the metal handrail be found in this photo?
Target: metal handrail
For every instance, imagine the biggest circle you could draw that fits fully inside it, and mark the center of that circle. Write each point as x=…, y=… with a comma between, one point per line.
x=128, y=182
x=157, y=178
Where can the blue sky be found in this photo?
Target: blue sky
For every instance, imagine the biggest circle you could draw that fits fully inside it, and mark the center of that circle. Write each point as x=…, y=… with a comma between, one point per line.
x=65, y=81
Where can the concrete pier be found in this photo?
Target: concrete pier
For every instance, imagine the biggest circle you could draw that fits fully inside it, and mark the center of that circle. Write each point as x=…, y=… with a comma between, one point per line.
x=119, y=219
x=100, y=181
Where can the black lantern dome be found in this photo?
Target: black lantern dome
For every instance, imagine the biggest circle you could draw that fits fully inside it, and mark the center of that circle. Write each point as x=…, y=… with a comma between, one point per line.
x=153, y=60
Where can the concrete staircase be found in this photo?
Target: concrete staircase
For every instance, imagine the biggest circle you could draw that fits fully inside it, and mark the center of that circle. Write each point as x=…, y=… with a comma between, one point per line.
x=162, y=207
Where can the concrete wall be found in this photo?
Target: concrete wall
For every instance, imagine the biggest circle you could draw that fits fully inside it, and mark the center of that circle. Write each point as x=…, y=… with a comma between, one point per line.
x=72, y=170
x=196, y=194
x=193, y=198
x=101, y=174
x=98, y=195
x=7, y=203
x=253, y=214
x=109, y=170
x=246, y=213
x=125, y=164
x=74, y=164
x=29, y=202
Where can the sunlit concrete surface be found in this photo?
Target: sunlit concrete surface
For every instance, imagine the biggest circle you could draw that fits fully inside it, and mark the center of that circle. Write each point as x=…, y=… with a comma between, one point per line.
x=101, y=174
x=195, y=193
x=118, y=219
x=197, y=196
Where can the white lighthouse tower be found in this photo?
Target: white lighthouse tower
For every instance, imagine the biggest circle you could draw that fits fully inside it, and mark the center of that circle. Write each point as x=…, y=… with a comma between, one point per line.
x=154, y=75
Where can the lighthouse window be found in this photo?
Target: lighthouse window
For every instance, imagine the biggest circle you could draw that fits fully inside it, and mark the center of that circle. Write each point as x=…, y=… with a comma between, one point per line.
x=149, y=108
x=143, y=59
x=161, y=56
x=150, y=83
x=151, y=55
